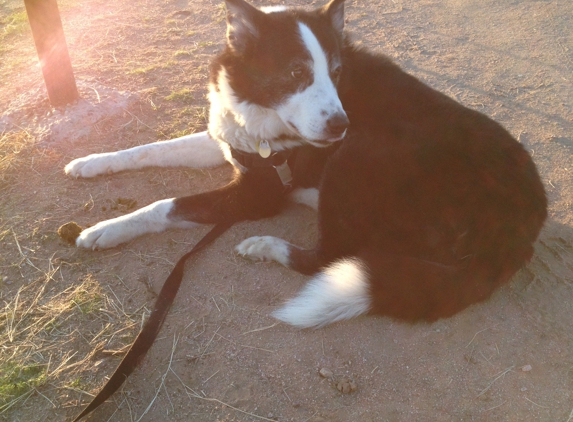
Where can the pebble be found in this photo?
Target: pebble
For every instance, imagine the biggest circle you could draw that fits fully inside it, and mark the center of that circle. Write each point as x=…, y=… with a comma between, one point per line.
x=346, y=386
x=526, y=368
x=326, y=373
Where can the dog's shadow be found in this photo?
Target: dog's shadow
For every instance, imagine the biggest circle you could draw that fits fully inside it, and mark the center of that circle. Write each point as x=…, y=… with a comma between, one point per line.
x=545, y=285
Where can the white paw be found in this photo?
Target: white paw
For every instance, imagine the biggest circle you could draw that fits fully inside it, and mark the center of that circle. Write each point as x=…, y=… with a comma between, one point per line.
x=264, y=248
x=90, y=166
x=103, y=235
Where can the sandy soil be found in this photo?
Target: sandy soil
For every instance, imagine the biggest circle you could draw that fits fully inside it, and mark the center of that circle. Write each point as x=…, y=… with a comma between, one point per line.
x=220, y=357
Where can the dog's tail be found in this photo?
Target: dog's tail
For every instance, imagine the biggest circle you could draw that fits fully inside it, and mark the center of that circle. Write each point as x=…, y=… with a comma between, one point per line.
x=341, y=291
x=401, y=287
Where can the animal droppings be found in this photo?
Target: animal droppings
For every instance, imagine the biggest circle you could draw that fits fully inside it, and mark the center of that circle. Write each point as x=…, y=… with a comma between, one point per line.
x=70, y=232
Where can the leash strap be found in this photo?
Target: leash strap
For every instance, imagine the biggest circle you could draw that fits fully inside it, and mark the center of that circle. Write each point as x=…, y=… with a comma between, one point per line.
x=151, y=328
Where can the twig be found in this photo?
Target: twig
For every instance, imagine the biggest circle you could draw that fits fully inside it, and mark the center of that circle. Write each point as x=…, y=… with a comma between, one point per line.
x=51, y=402
x=244, y=345
x=495, y=407
x=261, y=329
x=115, y=411
x=22, y=253
x=391, y=12
x=234, y=408
x=137, y=118
x=169, y=398
x=215, y=302
x=228, y=405
x=307, y=419
x=211, y=376
x=495, y=379
x=209, y=343
x=538, y=405
x=198, y=396
x=97, y=93
x=475, y=335
x=13, y=402
x=175, y=341
x=570, y=416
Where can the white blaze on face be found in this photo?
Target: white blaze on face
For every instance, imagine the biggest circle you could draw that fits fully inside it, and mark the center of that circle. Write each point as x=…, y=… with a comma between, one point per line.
x=308, y=111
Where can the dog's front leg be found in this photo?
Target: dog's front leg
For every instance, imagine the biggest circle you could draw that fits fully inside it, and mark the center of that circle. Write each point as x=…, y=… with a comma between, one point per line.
x=153, y=218
x=269, y=248
x=198, y=150
x=250, y=196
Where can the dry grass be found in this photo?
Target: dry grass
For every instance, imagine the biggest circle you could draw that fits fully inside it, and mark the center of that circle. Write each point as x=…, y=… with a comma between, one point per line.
x=41, y=329
x=13, y=148
x=59, y=325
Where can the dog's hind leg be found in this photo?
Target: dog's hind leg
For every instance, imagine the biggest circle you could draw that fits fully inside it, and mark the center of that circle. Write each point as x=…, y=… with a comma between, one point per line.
x=198, y=150
x=339, y=291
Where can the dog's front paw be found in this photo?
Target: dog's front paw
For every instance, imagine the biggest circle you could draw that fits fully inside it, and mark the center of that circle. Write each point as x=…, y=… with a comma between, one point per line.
x=265, y=248
x=103, y=235
x=90, y=166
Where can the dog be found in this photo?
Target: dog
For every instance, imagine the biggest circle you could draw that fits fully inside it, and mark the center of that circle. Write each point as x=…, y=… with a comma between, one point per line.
x=424, y=206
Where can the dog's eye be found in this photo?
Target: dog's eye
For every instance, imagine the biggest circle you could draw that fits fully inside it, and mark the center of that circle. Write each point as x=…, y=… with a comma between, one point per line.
x=297, y=72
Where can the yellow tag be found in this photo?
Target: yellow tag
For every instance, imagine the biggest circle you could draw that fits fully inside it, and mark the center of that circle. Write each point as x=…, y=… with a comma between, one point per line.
x=264, y=149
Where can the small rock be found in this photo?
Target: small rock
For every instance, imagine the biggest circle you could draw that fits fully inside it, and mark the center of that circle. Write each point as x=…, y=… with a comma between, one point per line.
x=346, y=386
x=526, y=368
x=326, y=373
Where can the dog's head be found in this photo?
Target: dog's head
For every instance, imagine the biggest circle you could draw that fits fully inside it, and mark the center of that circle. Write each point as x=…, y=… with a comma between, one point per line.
x=289, y=62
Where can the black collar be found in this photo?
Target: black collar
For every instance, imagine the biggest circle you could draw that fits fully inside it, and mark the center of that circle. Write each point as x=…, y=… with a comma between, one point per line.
x=278, y=160
x=250, y=160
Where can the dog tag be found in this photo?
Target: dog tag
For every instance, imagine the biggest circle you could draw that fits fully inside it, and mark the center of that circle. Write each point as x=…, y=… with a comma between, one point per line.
x=284, y=173
x=264, y=149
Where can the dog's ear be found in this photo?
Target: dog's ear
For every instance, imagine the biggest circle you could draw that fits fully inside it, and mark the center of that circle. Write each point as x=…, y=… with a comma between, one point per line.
x=241, y=24
x=335, y=11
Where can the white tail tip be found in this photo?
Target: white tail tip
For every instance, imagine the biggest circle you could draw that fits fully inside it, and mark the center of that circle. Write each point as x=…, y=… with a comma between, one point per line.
x=340, y=292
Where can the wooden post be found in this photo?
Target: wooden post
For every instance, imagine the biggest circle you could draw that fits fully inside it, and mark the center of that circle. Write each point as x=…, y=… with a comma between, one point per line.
x=44, y=18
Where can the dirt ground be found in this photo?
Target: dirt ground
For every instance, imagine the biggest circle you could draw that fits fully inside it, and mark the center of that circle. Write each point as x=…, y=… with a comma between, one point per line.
x=220, y=356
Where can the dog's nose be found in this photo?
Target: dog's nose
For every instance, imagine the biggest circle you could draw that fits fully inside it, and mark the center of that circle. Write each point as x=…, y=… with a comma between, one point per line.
x=337, y=124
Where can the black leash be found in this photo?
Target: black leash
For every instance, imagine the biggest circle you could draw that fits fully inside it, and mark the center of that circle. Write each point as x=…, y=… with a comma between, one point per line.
x=149, y=332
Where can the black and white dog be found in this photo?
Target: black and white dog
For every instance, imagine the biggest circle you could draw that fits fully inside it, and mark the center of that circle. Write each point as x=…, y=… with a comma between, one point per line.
x=424, y=206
